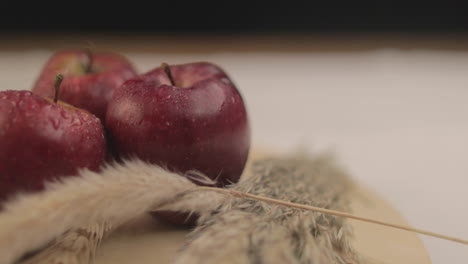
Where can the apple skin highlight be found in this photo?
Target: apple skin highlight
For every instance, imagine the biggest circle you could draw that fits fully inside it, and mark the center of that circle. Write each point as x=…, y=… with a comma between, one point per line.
x=41, y=140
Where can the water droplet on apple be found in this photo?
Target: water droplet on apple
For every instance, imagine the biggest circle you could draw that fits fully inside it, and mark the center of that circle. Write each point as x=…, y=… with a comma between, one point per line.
x=76, y=121
x=64, y=114
x=55, y=122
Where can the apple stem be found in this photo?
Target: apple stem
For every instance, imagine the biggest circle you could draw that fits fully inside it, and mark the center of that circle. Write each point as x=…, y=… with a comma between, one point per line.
x=89, y=63
x=57, y=83
x=168, y=72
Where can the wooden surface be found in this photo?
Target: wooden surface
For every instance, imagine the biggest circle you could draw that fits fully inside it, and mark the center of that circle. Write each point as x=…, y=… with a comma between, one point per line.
x=379, y=244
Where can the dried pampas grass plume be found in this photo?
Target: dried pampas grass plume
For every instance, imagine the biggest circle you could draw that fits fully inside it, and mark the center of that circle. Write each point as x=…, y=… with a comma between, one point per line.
x=280, y=212
x=117, y=194
x=73, y=247
x=251, y=230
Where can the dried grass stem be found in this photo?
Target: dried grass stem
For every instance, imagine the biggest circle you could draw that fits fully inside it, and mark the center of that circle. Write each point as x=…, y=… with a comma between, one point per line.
x=332, y=212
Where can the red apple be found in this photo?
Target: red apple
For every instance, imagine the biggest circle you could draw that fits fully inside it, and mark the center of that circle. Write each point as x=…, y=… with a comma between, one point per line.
x=186, y=117
x=90, y=78
x=41, y=140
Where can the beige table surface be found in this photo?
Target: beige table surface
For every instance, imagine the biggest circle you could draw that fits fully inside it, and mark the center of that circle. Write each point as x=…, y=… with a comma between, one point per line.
x=397, y=119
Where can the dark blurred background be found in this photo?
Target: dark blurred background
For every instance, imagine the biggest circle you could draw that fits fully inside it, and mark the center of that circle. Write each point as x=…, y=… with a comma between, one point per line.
x=229, y=17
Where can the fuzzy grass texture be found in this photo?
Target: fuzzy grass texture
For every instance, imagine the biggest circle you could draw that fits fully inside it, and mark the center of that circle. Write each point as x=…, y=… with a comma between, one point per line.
x=117, y=194
x=252, y=231
x=65, y=218
x=73, y=247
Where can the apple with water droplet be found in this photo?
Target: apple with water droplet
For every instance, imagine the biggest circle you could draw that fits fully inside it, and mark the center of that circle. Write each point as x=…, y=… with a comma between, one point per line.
x=90, y=78
x=191, y=117
x=42, y=139
x=183, y=117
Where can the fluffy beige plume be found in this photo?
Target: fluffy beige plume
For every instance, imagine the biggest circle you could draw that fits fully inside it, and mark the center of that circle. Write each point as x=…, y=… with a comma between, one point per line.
x=117, y=194
x=244, y=230
x=73, y=247
x=282, y=211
